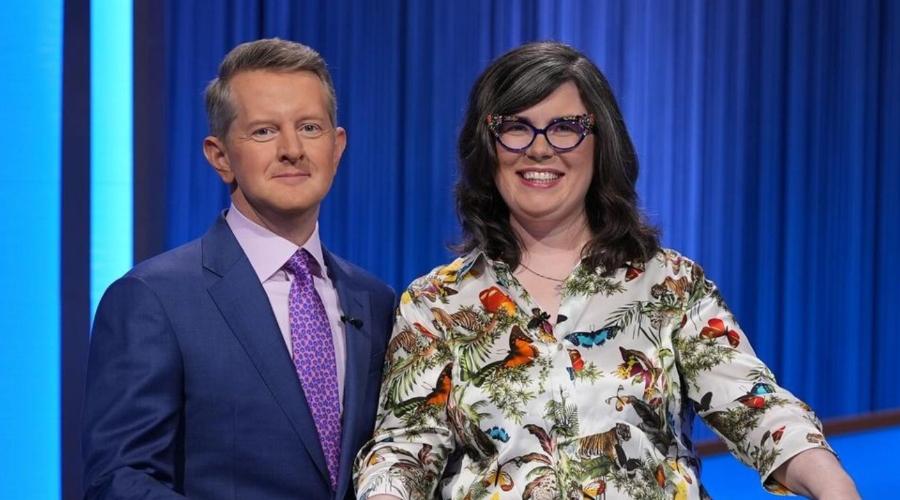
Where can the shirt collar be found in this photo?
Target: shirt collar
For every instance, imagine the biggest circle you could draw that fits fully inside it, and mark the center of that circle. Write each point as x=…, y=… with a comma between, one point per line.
x=474, y=260
x=267, y=251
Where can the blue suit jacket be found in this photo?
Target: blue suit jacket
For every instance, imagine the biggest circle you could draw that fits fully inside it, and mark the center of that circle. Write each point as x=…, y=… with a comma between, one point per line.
x=192, y=392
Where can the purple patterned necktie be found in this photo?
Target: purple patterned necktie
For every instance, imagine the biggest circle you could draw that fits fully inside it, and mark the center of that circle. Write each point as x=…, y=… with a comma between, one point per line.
x=313, y=353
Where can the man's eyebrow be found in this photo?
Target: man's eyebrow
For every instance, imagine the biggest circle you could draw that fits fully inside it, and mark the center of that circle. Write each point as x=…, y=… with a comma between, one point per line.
x=272, y=121
x=258, y=122
x=304, y=118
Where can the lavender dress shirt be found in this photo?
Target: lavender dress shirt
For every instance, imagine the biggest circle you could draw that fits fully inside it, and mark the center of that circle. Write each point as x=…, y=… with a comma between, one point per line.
x=268, y=253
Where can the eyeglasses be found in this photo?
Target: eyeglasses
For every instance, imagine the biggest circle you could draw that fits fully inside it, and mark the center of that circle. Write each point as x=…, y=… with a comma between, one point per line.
x=563, y=134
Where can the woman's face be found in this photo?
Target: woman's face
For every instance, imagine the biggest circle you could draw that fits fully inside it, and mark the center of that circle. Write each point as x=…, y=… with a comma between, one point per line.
x=540, y=185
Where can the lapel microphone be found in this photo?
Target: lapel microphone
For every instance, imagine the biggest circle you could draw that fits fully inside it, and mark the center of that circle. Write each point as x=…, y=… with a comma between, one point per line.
x=355, y=322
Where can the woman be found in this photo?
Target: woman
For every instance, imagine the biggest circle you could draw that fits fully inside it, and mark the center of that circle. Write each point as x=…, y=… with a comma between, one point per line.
x=564, y=354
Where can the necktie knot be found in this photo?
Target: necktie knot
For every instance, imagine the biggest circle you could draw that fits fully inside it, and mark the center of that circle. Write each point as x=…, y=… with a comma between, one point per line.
x=299, y=263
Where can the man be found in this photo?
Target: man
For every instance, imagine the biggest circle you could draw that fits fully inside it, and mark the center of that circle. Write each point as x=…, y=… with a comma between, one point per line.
x=245, y=364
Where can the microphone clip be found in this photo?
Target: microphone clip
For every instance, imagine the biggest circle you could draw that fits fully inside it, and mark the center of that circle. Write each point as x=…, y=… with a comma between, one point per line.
x=355, y=322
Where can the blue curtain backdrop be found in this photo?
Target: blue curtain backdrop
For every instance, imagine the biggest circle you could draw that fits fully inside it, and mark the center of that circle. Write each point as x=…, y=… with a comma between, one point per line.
x=768, y=134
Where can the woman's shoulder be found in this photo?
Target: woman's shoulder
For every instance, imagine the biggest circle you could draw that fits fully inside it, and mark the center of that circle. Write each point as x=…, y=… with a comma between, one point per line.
x=671, y=263
x=446, y=273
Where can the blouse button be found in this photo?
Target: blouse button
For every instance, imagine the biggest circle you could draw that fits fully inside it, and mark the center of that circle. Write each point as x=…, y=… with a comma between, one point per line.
x=559, y=346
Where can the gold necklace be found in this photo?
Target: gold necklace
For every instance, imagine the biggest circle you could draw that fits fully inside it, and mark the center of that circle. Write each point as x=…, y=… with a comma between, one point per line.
x=541, y=275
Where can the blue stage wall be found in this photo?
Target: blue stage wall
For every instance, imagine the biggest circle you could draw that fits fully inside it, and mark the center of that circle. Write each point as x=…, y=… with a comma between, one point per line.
x=766, y=130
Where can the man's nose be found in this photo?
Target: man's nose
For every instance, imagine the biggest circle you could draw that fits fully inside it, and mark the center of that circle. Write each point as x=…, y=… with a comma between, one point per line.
x=290, y=147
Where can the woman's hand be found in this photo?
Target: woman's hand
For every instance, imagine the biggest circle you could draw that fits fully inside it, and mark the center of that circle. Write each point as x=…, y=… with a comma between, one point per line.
x=817, y=474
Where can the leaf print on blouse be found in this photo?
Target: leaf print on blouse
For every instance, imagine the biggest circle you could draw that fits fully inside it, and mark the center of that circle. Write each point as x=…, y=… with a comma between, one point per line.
x=585, y=282
x=698, y=355
x=761, y=374
x=630, y=317
x=762, y=455
x=464, y=420
x=663, y=311
x=475, y=347
x=562, y=416
x=504, y=277
x=735, y=422
x=410, y=352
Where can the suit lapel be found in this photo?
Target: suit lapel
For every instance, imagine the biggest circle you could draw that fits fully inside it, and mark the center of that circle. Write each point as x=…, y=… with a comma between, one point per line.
x=243, y=303
x=356, y=306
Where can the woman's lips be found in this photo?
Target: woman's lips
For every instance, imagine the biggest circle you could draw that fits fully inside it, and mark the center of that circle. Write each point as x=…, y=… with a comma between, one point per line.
x=540, y=178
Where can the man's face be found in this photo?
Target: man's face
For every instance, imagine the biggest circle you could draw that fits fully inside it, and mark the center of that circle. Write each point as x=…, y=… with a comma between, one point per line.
x=281, y=151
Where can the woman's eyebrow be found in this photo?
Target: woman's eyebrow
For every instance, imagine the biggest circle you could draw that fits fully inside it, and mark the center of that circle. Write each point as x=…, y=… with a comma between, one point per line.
x=515, y=118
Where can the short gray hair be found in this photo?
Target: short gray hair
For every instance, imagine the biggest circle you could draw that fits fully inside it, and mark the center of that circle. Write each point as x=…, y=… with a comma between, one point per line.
x=271, y=54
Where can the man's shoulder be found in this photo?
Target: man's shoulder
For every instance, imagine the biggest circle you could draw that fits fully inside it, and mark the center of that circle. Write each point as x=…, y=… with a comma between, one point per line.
x=173, y=268
x=170, y=278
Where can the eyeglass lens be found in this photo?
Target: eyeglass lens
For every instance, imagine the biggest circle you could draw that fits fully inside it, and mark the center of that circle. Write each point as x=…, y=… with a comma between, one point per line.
x=516, y=134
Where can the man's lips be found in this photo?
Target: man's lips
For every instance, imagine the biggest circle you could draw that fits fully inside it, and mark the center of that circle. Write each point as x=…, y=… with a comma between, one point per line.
x=292, y=176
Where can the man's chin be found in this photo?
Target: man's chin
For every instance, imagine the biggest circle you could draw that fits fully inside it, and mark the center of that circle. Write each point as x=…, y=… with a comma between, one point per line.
x=295, y=209
x=281, y=210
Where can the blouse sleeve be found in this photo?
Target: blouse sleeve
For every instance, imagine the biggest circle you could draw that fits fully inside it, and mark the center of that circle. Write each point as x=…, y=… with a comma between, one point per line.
x=734, y=392
x=412, y=440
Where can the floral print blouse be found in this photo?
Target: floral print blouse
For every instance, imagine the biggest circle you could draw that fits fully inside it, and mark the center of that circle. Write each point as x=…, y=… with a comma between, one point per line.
x=485, y=396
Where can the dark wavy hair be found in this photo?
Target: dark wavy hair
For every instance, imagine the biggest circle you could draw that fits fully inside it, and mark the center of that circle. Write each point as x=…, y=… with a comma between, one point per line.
x=514, y=82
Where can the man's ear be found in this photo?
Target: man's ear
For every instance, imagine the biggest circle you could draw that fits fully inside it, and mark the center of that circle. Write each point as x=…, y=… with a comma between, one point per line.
x=217, y=156
x=340, y=144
